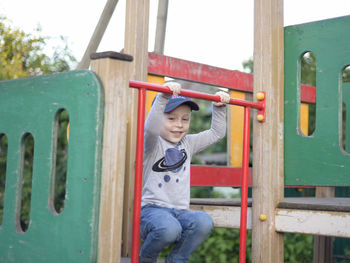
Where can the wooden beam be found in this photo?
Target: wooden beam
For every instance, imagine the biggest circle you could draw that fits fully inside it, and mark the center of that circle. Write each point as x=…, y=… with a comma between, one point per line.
x=325, y=223
x=98, y=33
x=187, y=70
x=268, y=179
x=235, y=131
x=225, y=216
x=161, y=26
x=136, y=44
x=112, y=69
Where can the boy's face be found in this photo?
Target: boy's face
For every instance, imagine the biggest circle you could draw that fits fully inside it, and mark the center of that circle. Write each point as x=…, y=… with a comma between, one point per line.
x=176, y=124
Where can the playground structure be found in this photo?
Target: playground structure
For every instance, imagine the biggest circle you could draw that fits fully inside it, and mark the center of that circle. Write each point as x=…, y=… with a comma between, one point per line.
x=98, y=199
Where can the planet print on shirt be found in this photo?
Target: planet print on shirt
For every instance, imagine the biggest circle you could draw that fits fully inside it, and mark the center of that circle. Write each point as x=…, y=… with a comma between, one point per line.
x=172, y=161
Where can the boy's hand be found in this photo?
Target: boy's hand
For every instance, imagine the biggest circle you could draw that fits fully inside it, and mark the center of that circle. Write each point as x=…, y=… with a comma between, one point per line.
x=225, y=98
x=174, y=87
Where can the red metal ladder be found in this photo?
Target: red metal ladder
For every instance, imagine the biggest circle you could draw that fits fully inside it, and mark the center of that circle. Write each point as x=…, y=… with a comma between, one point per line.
x=259, y=105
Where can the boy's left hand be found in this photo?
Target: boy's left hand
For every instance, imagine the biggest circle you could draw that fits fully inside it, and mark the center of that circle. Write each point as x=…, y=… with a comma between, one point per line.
x=225, y=98
x=174, y=87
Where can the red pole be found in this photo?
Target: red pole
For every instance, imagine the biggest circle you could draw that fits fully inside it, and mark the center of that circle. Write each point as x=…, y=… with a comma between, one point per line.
x=138, y=177
x=244, y=189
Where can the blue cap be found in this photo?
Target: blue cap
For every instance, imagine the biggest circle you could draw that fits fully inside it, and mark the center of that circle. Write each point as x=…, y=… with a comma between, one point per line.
x=176, y=101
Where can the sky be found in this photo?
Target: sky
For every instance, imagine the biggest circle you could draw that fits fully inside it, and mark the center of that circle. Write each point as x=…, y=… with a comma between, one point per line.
x=214, y=32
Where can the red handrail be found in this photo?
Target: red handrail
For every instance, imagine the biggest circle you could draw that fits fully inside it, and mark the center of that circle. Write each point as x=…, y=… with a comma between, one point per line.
x=195, y=94
x=143, y=86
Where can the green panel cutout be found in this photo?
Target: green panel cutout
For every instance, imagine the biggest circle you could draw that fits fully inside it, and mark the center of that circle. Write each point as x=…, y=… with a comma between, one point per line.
x=31, y=106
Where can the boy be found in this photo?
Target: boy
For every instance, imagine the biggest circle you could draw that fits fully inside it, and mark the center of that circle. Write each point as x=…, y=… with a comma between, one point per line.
x=165, y=215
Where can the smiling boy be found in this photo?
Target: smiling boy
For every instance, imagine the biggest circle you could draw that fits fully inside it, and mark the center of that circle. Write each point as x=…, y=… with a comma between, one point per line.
x=165, y=215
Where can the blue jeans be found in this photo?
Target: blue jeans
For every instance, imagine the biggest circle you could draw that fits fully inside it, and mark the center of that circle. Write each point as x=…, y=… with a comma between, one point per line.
x=161, y=226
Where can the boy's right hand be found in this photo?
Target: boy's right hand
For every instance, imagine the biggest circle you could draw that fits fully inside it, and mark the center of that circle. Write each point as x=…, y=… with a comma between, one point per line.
x=174, y=87
x=224, y=97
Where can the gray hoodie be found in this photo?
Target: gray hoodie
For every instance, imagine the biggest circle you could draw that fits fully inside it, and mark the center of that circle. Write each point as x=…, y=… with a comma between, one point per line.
x=166, y=166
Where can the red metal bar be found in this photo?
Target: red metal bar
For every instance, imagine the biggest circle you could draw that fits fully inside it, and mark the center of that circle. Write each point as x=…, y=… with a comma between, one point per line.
x=138, y=176
x=195, y=94
x=218, y=176
x=244, y=188
x=224, y=176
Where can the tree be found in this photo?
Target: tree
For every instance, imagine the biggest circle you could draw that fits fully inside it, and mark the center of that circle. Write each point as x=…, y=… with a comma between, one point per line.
x=22, y=55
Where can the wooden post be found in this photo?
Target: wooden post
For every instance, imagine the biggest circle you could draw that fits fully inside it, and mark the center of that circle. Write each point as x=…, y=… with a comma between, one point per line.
x=323, y=245
x=113, y=70
x=268, y=179
x=161, y=26
x=136, y=44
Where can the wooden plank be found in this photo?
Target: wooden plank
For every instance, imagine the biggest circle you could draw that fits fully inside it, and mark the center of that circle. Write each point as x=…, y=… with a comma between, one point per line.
x=304, y=118
x=219, y=201
x=307, y=94
x=235, y=138
x=225, y=216
x=267, y=244
x=113, y=75
x=323, y=249
x=135, y=44
x=188, y=70
x=184, y=69
x=326, y=223
x=316, y=204
x=150, y=95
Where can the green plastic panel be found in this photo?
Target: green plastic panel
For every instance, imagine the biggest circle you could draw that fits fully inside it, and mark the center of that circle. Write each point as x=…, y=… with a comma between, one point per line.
x=30, y=105
x=317, y=159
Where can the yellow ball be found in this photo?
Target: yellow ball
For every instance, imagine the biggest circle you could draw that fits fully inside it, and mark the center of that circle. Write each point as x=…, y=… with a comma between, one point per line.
x=260, y=117
x=263, y=217
x=260, y=96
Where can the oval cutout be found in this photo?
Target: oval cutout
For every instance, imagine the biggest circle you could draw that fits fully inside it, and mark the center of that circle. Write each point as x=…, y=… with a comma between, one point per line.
x=307, y=103
x=345, y=110
x=25, y=182
x=3, y=165
x=59, y=173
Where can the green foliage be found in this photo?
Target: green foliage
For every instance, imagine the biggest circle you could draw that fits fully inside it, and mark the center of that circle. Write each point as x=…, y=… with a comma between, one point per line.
x=200, y=121
x=346, y=74
x=298, y=248
x=249, y=65
x=308, y=69
x=22, y=55
x=222, y=246
x=346, y=256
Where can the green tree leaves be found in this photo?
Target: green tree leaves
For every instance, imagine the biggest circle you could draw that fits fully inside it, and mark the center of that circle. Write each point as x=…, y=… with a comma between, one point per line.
x=22, y=54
